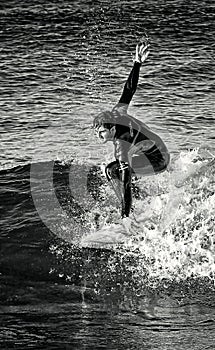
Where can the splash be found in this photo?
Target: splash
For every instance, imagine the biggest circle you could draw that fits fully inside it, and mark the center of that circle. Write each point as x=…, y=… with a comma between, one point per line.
x=175, y=229
x=172, y=226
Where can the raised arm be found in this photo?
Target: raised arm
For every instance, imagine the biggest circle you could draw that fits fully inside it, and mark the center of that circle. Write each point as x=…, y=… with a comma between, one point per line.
x=130, y=85
x=142, y=51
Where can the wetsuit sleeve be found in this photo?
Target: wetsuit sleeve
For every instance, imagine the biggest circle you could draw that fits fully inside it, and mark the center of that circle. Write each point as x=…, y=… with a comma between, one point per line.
x=131, y=84
x=129, y=88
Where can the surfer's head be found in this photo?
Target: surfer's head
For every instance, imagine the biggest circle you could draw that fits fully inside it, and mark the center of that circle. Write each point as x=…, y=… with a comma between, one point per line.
x=104, y=125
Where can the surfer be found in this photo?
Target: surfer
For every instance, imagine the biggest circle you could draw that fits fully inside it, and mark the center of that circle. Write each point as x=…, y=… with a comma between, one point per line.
x=138, y=150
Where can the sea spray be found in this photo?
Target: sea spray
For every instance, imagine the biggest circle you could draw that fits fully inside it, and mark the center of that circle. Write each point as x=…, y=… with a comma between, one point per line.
x=177, y=240
x=173, y=232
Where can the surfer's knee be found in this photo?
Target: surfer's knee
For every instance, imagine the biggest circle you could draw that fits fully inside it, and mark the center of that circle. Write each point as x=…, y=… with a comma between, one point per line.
x=164, y=164
x=112, y=170
x=166, y=160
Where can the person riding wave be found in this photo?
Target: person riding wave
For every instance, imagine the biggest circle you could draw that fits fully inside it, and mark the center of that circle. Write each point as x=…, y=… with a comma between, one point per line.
x=138, y=150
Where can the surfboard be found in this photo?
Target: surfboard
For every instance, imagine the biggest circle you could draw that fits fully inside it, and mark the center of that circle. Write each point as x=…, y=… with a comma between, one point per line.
x=108, y=237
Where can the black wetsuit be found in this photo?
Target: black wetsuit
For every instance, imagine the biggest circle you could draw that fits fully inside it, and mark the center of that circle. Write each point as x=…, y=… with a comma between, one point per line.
x=137, y=149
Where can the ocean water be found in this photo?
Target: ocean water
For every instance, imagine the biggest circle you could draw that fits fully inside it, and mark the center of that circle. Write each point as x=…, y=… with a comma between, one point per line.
x=62, y=62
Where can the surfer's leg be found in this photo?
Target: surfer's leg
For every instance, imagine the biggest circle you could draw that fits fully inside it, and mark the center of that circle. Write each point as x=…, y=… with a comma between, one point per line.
x=150, y=163
x=120, y=180
x=159, y=160
x=127, y=202
x=113, y=176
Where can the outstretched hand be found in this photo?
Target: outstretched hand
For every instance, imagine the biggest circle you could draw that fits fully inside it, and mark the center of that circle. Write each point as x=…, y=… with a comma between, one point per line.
x=142, y=51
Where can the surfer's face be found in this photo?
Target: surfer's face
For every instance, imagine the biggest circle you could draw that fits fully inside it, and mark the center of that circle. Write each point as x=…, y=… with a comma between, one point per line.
x=105, y=134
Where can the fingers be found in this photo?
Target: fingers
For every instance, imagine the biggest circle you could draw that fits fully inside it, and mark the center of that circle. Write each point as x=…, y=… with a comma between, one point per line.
x=137, y=50
x=144, y=57
x=142, y=51
x=143, y=48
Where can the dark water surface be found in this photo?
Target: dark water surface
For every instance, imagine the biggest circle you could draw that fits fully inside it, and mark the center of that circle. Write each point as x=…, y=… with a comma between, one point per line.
x=61, y=63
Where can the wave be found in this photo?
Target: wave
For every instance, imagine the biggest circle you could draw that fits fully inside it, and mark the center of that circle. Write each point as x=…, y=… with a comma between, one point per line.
x=172, y=222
